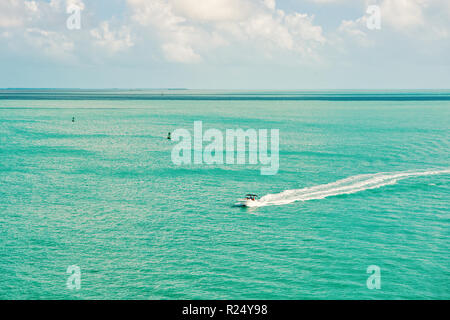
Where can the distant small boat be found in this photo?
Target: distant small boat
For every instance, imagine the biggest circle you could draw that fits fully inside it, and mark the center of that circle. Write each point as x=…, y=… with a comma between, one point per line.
x=250, y=200
x=169, y=136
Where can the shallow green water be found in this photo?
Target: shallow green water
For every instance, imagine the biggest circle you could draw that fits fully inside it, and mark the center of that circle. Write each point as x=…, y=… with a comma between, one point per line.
x=103, y=194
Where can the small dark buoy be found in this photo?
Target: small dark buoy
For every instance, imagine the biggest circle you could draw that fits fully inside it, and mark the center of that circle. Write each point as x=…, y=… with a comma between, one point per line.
x=169, y=137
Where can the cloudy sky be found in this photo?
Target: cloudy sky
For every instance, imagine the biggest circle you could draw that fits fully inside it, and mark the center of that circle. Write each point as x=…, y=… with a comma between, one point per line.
x=225, y=44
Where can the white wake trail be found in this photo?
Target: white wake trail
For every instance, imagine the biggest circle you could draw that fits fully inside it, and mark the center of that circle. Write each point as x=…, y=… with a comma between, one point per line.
x=345, y=186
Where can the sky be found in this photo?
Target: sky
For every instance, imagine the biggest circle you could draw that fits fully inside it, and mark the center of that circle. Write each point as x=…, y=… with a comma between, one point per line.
x=225, y=44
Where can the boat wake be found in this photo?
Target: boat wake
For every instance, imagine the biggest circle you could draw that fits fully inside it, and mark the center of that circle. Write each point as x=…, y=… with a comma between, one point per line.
x=345, y=186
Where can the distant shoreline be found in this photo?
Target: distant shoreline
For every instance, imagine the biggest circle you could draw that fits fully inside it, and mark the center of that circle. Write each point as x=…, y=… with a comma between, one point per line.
x=223, y=95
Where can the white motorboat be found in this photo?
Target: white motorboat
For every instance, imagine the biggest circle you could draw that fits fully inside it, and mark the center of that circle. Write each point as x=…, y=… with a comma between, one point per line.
x=250, y=200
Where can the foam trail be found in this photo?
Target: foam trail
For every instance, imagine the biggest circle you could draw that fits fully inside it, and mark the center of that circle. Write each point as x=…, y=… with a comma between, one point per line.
x=345, y=186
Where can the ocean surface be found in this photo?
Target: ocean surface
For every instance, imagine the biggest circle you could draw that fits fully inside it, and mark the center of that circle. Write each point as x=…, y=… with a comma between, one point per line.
x=363, y=180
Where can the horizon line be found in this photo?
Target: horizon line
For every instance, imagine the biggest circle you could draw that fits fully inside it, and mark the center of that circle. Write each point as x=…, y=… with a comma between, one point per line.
x=221, y=89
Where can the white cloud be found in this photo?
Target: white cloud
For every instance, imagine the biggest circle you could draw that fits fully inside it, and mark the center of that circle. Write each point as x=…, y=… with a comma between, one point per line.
x=117, y=40
x=31, y=5
x=14, y=13
x=51, y=43
x=212, y=10
x=188, y=28
x=180, y=52
x=271, y=4
x=75, y=3
x=217, y=31
x=427, y=20
x=404, y=14
x=176, y=35
x=331, y=1
x=37, y=27
x=356, y=31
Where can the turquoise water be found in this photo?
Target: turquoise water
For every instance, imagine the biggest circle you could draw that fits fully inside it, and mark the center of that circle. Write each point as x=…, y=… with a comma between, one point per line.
x=103, y=194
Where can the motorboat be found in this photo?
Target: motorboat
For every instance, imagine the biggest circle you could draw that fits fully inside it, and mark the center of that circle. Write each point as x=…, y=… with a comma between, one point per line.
x=250, y=200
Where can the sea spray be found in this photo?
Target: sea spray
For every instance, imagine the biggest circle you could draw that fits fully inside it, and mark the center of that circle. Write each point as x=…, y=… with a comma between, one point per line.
x=345, y=186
